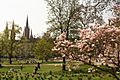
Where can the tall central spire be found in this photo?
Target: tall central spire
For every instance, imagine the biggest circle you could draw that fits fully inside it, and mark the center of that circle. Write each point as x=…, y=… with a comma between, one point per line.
x=27, y=22
x=27, y=30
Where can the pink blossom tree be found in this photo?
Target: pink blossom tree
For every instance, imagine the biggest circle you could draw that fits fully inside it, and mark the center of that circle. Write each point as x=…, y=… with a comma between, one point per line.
x=98, y=45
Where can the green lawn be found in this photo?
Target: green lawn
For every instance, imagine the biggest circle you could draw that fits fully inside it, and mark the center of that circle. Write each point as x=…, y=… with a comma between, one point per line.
x=30, y=68
x=51, y=72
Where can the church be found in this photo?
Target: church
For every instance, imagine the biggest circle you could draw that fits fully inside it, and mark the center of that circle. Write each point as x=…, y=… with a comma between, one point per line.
x=27, y=33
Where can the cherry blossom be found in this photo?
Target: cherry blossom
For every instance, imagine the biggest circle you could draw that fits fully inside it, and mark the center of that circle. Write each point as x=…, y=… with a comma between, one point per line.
x=98, y=45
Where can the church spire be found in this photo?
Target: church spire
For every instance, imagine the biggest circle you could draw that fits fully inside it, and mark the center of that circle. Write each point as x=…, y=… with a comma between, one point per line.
x=6, y=26
x=27, y=22
x=26, y=30
x=6, y=31
x=31, y=35
x=13, y=31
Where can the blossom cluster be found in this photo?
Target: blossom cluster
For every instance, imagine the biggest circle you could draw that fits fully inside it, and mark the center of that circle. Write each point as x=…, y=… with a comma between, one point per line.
x=100, y=44
x=97, y=44
x=61, y=44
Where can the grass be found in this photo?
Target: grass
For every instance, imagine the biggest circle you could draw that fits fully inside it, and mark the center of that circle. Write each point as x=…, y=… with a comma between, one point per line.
x=47, y=68
x=30, y=68
x=54, y=71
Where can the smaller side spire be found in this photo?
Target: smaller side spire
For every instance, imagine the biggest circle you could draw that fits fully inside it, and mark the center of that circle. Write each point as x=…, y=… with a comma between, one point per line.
x=13, y=24
x=6, y=26
x=31, y=35
x=6, y=31
x=13, y=31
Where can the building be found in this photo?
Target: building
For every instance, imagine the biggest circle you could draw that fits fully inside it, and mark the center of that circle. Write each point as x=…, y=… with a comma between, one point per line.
x=27, y=33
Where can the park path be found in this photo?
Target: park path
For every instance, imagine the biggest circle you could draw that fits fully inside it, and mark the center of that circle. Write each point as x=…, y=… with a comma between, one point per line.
x=30, y=64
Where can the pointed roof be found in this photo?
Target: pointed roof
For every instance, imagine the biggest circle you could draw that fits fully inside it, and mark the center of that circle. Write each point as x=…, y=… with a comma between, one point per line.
x=13, y=32
x=27, y=24
x=7, y=25
x=6, y=31
x=13, y=24
x=31, y=35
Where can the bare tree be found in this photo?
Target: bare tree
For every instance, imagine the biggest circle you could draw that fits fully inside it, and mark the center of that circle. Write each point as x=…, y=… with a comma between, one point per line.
x=63, y=15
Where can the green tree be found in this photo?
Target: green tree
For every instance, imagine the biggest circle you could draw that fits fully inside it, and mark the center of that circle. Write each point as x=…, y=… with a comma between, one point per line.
x=43, y=48
x=9, y=39
x=4, y=41
x=1, y=46
x=24, y=48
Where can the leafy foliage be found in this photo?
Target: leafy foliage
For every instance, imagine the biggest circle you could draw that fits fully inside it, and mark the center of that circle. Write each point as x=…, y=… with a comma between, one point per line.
x=43, y=47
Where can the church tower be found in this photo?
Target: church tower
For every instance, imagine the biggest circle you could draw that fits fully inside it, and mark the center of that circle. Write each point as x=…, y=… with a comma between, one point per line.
x=27, y=30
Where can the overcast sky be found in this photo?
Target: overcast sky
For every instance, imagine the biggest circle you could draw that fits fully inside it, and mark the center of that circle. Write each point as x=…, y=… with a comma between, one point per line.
x=18, y=10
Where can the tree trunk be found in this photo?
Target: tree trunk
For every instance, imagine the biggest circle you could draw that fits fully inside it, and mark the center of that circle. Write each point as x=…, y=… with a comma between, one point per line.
x=64, y=66
x=0, y=65
x=117, y=78
x=10, y=59
x=11, y=51
x=118, y=57
x=0, y=58
x=118, y=60
x=114, y=74
x=46, y=59
x=67, y=34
